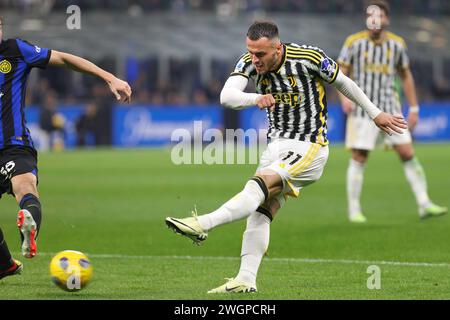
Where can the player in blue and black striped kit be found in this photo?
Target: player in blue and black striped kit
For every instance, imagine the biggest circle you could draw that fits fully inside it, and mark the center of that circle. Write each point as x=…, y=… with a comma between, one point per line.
x=18, y=157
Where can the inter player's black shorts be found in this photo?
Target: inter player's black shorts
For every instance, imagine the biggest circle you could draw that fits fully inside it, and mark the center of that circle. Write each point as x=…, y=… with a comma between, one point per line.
x=16, y=160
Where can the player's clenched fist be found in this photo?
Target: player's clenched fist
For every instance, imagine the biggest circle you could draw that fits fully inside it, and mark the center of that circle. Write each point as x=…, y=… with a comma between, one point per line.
x=266, y=101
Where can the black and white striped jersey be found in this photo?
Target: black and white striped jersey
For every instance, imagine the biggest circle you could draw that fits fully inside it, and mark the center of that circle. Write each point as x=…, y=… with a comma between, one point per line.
x=374, y=67
x=297, y=85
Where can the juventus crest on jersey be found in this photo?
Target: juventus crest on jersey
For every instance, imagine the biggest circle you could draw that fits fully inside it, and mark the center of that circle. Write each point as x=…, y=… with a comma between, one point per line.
x=297, y=85
x=374, y=67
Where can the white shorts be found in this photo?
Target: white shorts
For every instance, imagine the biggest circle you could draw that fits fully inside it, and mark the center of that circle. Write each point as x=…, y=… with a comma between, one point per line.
x=362, y=133
x=299, y=163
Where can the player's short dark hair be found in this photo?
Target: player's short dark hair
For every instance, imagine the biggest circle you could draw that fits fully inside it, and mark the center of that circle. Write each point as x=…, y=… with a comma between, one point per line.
x=261, y=29
x=382, y=4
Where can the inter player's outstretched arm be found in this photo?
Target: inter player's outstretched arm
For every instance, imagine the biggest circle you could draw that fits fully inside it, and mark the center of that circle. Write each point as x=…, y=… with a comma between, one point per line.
x=119, y=88
x=384, y=121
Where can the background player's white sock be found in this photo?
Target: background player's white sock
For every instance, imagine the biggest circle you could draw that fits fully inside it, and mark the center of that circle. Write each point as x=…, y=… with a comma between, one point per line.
x=416, y=178
x=254, y=245
x=239, y=207
x=355, y=178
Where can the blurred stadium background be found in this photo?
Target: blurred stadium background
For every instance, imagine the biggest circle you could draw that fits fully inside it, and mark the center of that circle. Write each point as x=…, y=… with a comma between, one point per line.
x=177, y=54
x=111, y=202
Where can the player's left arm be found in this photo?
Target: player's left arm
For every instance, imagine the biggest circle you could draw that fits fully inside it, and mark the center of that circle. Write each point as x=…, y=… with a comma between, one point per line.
x=329, y=71
x=121, y=89
x=387, y=122
x=409, y=89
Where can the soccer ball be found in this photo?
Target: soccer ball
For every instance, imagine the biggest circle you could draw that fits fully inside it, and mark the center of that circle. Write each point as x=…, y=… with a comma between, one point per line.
x=71, y=270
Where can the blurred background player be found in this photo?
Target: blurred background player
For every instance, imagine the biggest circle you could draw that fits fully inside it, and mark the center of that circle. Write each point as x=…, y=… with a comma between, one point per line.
x=18, y=157
x=373, y=59
x=86, y=126
x=289, y=83
x=52, y=124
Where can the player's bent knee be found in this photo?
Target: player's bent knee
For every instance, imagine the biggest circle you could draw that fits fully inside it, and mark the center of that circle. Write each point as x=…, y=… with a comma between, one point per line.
x=265, y=212
x=24, y=184
x=22, y=190
x=407, y=157
x=360, y=156
x=272, y=181
x=272, y=206
x=262, y=185
x=405, y=152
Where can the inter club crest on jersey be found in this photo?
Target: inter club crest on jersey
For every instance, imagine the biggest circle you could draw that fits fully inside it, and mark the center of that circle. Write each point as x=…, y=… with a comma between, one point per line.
x=5, y=66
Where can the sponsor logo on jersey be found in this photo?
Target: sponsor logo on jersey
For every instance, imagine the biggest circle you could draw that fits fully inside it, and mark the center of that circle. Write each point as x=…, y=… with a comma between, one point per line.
x=38, y=50
x=378, y=68
x=5, y=66
x=292, y=99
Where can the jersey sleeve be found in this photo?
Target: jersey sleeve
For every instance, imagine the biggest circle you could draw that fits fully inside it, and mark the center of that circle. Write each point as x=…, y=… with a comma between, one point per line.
x=345, y=56
x=317, y=62
x=33, y=55
x=329, y=69
x=244, y=67
x=403, y=59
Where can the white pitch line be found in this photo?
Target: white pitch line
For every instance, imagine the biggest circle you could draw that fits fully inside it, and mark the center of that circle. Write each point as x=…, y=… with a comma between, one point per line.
x=293, y=260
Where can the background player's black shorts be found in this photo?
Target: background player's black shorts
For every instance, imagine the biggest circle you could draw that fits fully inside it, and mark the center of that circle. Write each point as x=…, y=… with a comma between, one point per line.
x=16, y=160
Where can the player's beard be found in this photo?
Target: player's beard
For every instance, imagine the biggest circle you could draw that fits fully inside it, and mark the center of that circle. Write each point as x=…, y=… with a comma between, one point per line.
x=274, y=63
x=377, y=34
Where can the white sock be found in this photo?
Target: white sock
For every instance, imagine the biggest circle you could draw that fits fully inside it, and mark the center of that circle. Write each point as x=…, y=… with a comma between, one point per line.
x=417, y=180
x=254, y=245
x=239, y=207
x=355, y=178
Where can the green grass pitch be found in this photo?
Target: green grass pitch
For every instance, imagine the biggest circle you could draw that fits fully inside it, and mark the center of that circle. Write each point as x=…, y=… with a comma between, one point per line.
x=111, y=204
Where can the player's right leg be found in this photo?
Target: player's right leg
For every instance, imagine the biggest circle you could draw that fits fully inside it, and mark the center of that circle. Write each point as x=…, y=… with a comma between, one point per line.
x=255, y=193
x=8, y=265
x=361, y=136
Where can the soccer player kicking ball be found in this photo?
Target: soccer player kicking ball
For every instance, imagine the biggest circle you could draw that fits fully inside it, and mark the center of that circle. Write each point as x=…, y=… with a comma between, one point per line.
x=289, y=81
x=374, y=58
x=18, y=157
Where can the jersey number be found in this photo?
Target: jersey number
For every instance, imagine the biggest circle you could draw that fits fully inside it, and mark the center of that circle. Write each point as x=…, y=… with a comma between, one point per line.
x=291, y=154
x=7, y=169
